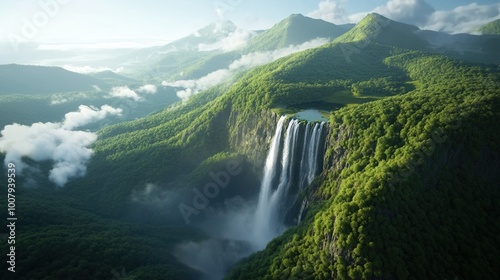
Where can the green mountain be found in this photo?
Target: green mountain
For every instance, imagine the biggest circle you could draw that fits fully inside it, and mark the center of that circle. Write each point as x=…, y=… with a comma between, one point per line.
x=181, y=59
x=29, y=79
x=294, y=30
x=189, y=63
x=474, y=48
x=402, y=194
x=113, y=77
x=32, y=94
x=492, y=28
x=379, y=29
x=408, y=187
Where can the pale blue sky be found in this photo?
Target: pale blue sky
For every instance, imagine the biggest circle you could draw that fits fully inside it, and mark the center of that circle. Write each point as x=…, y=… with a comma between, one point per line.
x=91, y=21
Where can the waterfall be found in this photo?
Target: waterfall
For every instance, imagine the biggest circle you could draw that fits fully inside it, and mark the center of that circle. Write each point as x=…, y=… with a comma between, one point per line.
x=313, y=152
x=291, y=165
x=262, y=220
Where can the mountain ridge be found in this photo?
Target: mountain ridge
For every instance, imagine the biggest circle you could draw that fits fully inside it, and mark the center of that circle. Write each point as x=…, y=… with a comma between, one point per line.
x=294, y=30
x=408, y=189
x=492, y=28
x=32, y=79
x=377, y=28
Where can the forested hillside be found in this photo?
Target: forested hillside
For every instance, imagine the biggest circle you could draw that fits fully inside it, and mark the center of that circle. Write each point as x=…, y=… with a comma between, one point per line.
x=492, y=28
x=401, y=170
x=408, y=188
x=295, y=30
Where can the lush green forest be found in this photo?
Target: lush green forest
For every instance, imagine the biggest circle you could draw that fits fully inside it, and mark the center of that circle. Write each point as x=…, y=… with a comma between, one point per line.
x=414, y=197
x=492, y=28
x=408, y=191
x=55, y=240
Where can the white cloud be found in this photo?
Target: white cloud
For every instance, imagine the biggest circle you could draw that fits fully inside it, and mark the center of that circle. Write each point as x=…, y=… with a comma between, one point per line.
x=463, y=19
x=151, y=89
x=58, y=101
x=194, y=86
x=48, y=141
x=415, y=12
x=244, y=62
x=330, y=10
x=90, y=69
x=180, y=83
x=124, y=92
x=67, y=149
x=233, y=41
x=185, y=94
x=86, y=115
x=261, y=58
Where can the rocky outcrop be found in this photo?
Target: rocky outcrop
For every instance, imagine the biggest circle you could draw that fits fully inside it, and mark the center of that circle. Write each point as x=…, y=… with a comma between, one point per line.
x=250, y=135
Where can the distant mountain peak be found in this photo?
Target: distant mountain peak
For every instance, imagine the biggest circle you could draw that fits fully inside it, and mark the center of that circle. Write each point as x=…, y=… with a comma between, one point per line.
x=301, y=19
x=219, y=27
x=297, y=16
x=379, y=29
x=375, y=18
x=293, y=30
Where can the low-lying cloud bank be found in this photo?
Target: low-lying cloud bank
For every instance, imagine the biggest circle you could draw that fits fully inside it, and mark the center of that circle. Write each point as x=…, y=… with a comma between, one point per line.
x=90, y=69
x=151, y=89
x=126, y=92
x=246, y=61
x=57, y=142
x=462, y=19
x=234, y=40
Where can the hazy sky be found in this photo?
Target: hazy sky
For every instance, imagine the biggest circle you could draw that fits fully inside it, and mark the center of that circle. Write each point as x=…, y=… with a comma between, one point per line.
x=155, y=21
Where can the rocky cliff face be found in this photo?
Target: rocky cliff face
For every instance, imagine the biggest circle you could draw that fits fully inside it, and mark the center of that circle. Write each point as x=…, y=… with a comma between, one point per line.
x=251, y=135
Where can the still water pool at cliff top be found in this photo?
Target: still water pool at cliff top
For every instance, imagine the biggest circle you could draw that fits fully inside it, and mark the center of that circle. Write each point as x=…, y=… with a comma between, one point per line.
x=311, y=115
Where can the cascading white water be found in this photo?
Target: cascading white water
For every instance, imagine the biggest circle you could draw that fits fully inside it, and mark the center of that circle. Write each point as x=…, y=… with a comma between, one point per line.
x=305, y=157
x=262, y=220
x=313, y=152
x=309, y=165
x=243, y=230
x=286, y=177
x=274, y=193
